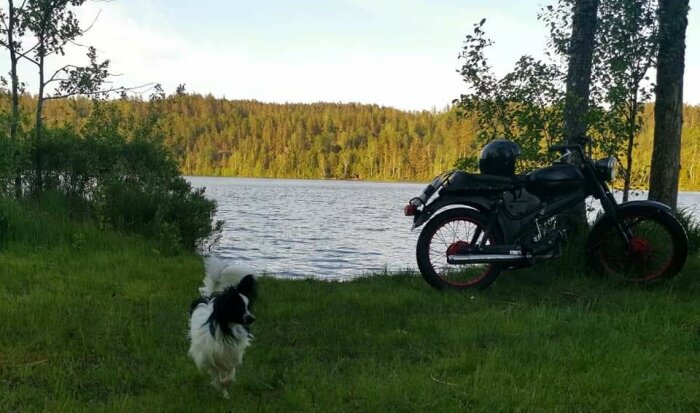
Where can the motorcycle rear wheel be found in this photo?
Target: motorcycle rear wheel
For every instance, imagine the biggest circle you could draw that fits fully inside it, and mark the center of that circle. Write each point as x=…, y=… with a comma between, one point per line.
x=454, y=228
x=659, y=246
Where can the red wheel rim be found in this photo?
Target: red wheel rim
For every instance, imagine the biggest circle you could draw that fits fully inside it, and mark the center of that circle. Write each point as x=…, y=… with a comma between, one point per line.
x=454, y=235
x=641, y=262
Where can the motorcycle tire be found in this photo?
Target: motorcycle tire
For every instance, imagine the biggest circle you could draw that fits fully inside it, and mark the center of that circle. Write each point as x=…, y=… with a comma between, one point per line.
x=659, y=246
x=448, y=230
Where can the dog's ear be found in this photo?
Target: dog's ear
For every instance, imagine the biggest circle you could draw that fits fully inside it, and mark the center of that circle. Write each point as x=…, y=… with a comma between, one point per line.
x=248, y=287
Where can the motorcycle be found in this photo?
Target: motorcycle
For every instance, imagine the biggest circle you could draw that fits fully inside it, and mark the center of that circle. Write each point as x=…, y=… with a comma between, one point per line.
x=477, y=225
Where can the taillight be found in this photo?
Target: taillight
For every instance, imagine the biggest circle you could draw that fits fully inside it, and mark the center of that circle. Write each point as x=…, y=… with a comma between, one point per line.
x=410, y=210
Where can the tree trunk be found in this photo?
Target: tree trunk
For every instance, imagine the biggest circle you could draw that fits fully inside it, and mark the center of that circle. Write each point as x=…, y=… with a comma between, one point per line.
x=38, y=128
x=668, y=110
x=14, y=121
x=578, y=78
x=631, y=130
x=14, y=81
x=578, y=81
x=628, y=170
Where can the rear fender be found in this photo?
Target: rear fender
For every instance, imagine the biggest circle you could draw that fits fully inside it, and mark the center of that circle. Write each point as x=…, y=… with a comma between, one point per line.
x=479, y=203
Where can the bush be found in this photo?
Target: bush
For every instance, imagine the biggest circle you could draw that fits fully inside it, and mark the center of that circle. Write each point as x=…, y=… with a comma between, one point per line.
x=122, y=175
x=14, y=156
x=171, y=210
x=692, y=228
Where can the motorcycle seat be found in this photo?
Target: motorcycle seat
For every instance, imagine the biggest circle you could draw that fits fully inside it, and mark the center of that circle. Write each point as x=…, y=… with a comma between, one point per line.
x=465, y=183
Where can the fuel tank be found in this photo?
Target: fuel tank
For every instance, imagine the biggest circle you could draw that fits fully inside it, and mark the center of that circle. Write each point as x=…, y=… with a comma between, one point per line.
x=554, y=180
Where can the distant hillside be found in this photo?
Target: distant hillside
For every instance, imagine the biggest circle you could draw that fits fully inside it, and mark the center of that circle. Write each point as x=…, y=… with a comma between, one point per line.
x=212, y=136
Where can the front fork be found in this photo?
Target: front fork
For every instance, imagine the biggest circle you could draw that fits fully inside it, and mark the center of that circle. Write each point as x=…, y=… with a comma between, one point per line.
x=609, y=204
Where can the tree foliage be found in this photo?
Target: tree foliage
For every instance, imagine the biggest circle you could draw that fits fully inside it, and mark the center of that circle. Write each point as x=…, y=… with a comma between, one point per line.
x=531, y=109
x=523, y=106
x=114, y=169
x=35, y=31
x=625, y=53
x=117, y=169
x=209, y=136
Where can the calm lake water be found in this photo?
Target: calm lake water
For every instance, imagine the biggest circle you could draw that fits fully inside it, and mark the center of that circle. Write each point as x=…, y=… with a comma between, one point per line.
x=322, y=229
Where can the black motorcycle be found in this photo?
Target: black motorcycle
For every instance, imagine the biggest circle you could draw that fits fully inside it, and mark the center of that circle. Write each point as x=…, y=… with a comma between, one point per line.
x=481, y=224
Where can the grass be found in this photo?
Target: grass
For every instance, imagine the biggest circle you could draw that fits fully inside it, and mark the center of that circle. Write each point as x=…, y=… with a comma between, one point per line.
x=95, y=321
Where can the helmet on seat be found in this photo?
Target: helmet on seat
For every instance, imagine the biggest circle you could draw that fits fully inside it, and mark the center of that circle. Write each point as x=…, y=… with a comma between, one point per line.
x=498, y=158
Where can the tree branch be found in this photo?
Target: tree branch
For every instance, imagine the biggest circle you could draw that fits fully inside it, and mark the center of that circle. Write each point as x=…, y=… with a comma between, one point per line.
x=96, y=92
x=29, y=59
x=56, y=49
x=63, y=69
x=82, y=32
x=24, y=54
x=55, y=80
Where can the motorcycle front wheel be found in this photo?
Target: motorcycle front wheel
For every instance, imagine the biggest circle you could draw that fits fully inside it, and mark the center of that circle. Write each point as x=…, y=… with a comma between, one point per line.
x=658, y=246
x=447, y=232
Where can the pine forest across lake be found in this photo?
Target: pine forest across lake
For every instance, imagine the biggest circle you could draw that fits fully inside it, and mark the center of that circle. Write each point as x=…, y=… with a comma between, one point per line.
x=219, y=137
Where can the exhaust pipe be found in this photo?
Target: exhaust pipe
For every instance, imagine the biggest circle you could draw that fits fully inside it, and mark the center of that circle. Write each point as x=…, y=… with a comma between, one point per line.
x=513, y=257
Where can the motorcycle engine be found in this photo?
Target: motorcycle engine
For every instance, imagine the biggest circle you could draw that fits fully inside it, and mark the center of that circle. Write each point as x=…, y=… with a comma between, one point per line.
x=546, y=241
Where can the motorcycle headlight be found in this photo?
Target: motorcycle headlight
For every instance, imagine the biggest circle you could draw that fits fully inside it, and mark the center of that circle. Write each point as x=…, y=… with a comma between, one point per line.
x=605, y=168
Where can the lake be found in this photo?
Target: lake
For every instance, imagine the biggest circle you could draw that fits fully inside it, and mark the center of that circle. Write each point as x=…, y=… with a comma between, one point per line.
x=334, y=230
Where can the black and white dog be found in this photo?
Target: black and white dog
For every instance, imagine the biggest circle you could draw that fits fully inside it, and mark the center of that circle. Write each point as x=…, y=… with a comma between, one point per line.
x=220, y=321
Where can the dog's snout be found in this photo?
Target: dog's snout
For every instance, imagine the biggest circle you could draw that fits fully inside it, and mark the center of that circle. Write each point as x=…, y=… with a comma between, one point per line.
x=249, y=319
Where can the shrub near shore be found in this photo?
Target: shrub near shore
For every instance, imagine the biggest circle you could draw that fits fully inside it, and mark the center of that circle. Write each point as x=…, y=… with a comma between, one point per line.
x=96, y=321
x=115, y=171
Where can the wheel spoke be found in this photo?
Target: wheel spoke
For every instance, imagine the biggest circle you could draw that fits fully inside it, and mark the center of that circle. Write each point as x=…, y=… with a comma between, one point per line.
x=453, y=234
x=648, y=255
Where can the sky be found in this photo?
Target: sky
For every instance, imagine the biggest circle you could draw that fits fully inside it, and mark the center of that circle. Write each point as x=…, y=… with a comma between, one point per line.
x=387, y=52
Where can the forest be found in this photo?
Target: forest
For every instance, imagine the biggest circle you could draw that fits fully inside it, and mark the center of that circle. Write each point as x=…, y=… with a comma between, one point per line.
x=220, y=137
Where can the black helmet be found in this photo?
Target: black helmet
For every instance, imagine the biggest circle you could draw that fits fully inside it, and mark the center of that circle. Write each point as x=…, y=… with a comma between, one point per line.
x=498, y=158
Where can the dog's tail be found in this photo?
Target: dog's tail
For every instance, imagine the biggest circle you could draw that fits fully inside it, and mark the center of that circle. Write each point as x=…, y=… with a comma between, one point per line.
x=213, y=267
x=219, y=274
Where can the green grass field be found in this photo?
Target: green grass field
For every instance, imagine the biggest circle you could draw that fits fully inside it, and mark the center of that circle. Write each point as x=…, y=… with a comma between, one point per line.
x=95, y=321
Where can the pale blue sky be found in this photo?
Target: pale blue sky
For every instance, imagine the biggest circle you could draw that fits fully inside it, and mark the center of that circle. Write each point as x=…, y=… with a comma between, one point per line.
x=388, y=52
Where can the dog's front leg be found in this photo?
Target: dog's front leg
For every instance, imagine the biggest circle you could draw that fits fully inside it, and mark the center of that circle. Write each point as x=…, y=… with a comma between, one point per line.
x=224, y=381
x=219, y=381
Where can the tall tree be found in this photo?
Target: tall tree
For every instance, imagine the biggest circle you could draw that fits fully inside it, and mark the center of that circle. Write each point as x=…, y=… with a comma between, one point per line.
x=578, y=78
x=578, y=82
x=626, y=50
x=668, y=111
x=11, y=33
x=53, y=25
